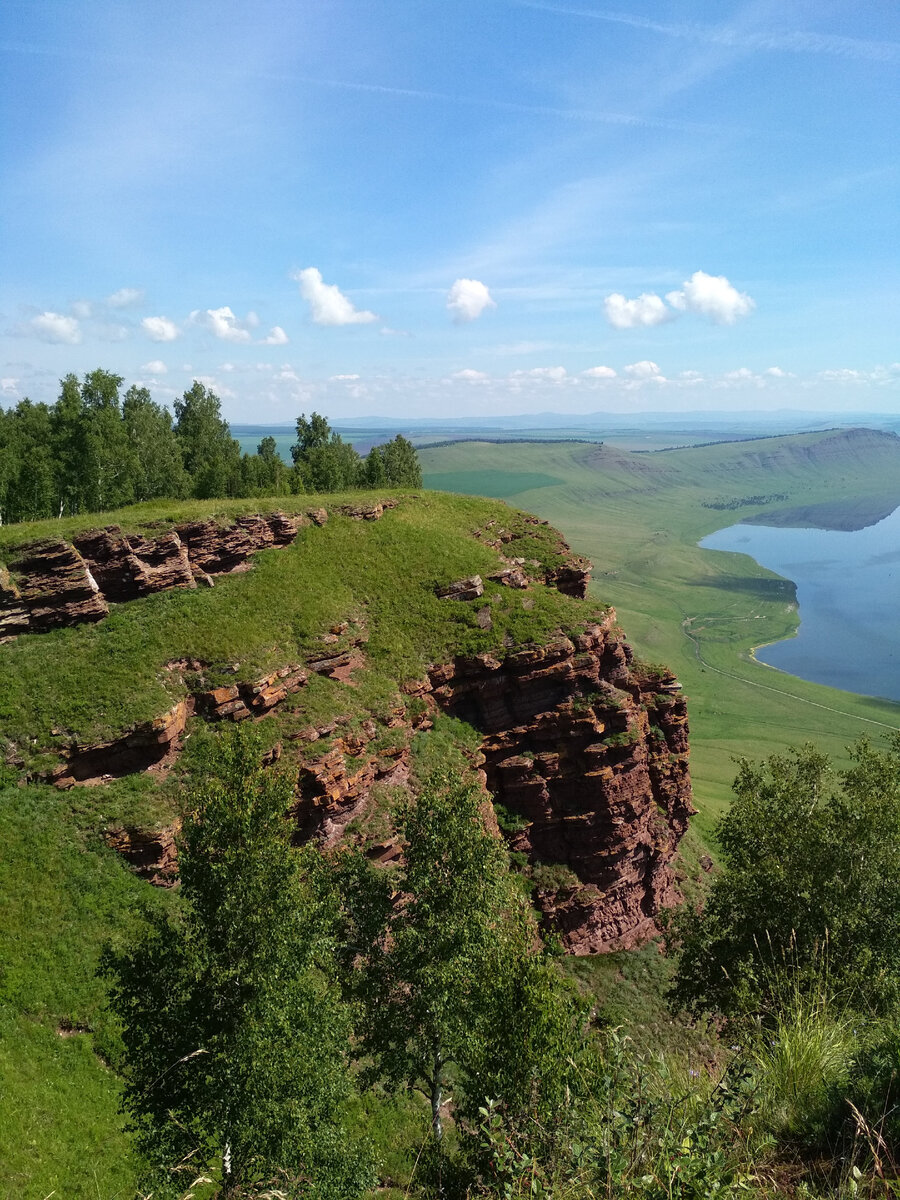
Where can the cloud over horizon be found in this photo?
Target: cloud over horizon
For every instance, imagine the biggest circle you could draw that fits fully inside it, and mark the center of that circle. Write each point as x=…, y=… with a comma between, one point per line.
x=327, y=303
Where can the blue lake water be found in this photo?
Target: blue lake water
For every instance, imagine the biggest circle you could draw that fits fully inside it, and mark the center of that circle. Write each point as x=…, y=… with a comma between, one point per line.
x=848, y=591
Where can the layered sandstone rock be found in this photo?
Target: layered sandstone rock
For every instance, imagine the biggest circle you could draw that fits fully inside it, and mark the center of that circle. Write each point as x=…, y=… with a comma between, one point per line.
x=60, y=584
x=332, y=791
x=462, y=589
x=218, y=549
x=148, y=745
x=55, y=586
x=237, y=702
x=151, y=853
x=126, y=567
x=572, y=578
x=592, y=753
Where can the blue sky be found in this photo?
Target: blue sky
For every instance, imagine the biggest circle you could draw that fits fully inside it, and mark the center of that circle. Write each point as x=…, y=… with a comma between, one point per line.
x=412, y=208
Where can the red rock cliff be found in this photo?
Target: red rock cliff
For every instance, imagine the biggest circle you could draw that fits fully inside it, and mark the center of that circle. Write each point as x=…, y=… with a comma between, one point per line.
x=591, y=752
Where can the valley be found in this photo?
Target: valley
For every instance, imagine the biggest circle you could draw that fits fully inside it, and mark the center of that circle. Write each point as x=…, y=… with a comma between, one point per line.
x=639, y=518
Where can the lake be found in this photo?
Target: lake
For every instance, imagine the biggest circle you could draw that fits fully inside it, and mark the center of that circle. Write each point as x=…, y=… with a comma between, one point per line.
x=848, y=591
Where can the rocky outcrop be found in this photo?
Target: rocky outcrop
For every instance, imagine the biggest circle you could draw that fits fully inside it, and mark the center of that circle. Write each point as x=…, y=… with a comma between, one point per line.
x=218, y=549
x=59, y=584
x=151, y=853
x=332, y=790
x=462, y=589
x=152, y=744
x=572, y=578
x=55, y=587
x=591, y=752
x=126, y=567
x=238, y=701
x=369, y=511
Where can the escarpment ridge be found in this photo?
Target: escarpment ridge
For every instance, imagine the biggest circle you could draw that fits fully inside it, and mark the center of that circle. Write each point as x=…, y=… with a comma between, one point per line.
x=370, y=625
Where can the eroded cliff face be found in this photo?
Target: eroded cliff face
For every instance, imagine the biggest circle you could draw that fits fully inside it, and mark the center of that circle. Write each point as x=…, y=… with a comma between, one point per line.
x=587, y=749
x=591, y=752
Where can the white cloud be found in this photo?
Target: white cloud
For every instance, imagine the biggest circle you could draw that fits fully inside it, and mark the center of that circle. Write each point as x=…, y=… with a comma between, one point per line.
x=9, y=386
x=275, y=337
x=645, y=369
x=712, y=296
x=599, y=373
x=551, y=374
x=327, y=303
x=125, y=298
x=467, y=300
x=842, y=375
x=740, y=374
x=777, y=373
x=342, y=378
x=155, y=367
x=110, y=332
x=160, y=329
x=647, y=309
x=690, y=376
x=54, y=327
x=82, y=309
x=223, y=324
x=472, y=376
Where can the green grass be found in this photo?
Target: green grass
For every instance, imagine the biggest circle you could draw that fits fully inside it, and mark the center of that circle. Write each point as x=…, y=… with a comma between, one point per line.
x=639, y=518
x=499, y=484
x=93, y=681
x=64, y=894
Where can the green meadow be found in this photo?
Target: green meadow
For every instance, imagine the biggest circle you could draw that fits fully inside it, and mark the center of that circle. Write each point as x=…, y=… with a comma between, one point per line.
x=639, y=517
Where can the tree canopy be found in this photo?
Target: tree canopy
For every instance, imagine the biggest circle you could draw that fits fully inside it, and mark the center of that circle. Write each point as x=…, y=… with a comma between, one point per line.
x=810, y=868
x=95, y=449
x=236, y=1039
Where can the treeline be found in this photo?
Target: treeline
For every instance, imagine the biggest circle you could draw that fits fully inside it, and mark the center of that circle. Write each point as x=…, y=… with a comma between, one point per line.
x=96, y=449
x=296, y=1003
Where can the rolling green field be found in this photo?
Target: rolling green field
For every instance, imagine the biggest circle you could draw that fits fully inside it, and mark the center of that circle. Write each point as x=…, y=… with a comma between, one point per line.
x=639, y=518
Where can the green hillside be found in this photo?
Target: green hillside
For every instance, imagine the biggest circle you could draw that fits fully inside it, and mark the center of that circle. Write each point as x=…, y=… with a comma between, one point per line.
x=66, y=893
x=639, y=518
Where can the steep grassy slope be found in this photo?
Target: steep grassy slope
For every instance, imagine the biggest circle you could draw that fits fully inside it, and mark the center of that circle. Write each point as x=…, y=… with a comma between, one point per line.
x=65, y=892
x=639, y=518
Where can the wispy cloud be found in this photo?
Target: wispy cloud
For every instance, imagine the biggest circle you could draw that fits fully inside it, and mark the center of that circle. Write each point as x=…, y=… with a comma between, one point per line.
x=126, y=297
x=53, y=327
x=789, y=41
x=586, y=115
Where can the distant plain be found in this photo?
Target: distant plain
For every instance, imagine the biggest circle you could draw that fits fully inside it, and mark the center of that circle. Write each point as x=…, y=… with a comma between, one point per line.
x=639, y=518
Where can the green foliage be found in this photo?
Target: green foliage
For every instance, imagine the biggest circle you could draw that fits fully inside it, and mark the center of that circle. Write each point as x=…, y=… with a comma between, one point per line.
x=93, y=451
x=324, y=462
x=235, y=1037
x=448, y=983
x=634, y=1129
x=808, y=860
x=803, y=1059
